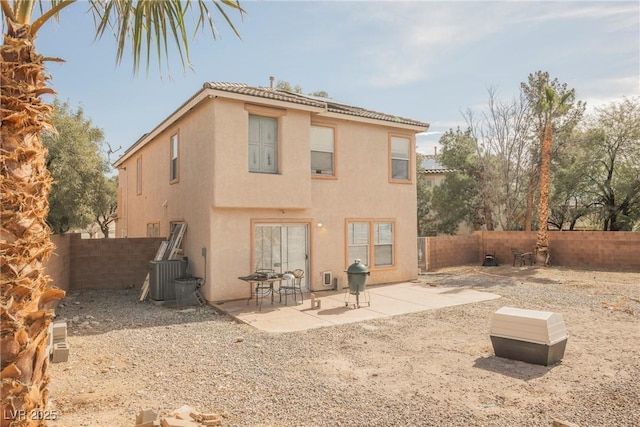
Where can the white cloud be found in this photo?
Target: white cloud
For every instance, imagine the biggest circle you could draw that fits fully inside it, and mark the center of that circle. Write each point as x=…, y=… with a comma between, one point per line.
x=428, y=133
x=408, y=41
x=597, y=93
x=615, y=15
x=417, y=36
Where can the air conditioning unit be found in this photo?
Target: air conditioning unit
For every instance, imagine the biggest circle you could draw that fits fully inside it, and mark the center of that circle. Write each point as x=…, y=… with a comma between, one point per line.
x=161, y=278
x=327, y=279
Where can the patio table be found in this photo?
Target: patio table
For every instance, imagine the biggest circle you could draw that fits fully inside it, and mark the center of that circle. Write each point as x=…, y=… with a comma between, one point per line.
x=261, y=286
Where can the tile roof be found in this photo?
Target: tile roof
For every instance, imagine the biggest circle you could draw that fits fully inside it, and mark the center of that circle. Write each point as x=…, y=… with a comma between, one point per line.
x=310, y=100
x=326, y=104
x=262, y=92
x=431, y=165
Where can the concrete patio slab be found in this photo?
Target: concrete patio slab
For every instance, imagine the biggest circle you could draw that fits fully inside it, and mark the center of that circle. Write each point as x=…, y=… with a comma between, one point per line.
x=386, y=301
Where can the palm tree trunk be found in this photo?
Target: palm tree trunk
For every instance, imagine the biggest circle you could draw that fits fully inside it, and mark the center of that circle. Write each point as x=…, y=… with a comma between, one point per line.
x=25, y=243
x=542, y=241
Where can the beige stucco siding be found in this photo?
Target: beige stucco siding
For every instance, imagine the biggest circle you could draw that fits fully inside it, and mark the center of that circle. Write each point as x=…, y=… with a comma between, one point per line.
x=361, y=191
x=164, y=201
x=236, y=186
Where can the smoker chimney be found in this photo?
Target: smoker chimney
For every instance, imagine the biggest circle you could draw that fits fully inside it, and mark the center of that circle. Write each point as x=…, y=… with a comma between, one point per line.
x=271, y=79
x=435, y=150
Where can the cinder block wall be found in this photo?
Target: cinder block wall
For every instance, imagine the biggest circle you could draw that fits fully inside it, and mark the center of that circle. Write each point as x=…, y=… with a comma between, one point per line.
x=607, y=249
x=581, y=249
x=447, y=251
x=110, y=263
x=59, y=265
x=501, y=242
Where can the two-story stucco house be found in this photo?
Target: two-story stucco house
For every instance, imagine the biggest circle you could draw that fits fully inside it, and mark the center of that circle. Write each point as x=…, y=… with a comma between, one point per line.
x=265, y=178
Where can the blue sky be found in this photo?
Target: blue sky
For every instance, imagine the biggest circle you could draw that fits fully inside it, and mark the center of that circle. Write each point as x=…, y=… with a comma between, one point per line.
x=428, y=61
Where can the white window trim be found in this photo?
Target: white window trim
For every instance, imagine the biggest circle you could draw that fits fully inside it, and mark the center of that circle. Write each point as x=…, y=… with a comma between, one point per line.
x=174, y=154
x=409, y=178
x=319, y=149
x=371, y=242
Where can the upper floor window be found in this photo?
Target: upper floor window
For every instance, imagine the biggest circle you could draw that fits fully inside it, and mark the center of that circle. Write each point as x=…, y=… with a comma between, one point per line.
x=322, y=150
x=174, y=166
x=263, y=144
x=400, y=158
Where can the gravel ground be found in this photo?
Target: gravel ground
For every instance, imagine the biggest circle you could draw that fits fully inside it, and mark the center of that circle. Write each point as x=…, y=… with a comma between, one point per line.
x=433, y=368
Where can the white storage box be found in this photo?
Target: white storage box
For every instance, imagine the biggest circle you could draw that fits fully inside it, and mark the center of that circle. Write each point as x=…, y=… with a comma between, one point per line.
x=531, y=336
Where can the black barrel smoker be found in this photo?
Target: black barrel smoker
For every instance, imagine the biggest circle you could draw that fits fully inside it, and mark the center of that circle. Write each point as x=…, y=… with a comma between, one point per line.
x=357, y=277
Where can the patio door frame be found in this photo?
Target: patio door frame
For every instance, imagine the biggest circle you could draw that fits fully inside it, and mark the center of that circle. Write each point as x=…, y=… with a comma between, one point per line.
x=306, y=223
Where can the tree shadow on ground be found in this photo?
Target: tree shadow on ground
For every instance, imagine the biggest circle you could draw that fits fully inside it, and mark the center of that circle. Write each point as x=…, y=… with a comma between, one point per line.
x=512, y=368
x=487, y=277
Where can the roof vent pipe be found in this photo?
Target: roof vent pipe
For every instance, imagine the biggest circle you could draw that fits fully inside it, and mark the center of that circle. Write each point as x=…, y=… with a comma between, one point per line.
x=271, y=79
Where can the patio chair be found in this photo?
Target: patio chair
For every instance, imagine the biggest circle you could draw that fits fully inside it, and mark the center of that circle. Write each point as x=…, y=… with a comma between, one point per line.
x=291, y=284
x=522, y=256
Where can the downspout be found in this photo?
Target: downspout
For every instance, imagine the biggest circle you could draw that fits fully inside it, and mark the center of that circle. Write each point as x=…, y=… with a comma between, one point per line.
x=124, y=231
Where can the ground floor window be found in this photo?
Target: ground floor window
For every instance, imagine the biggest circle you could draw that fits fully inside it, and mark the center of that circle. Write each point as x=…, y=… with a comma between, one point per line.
x=153, y=229
x=371, y=241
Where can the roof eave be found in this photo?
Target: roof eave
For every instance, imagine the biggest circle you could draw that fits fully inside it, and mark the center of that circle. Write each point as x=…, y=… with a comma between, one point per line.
x=184, y=109
x=263, y=100
x=423, y=127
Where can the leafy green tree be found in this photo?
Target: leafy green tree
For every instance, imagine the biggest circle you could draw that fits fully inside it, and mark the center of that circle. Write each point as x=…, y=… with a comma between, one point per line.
x=320, y=93
x=424, y=198
x=567, y=202
x=611, y=165
x=459, y=198
x=105, y=206
x=77, y=168
x=286, y=86
x=140, y=27
x=456, y=201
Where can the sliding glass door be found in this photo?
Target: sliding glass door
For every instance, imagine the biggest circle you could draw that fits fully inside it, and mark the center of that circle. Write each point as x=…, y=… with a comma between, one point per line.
x=282, y=247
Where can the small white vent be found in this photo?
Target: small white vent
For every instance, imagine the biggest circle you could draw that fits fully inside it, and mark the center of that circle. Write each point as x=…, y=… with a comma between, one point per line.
x=327, y=279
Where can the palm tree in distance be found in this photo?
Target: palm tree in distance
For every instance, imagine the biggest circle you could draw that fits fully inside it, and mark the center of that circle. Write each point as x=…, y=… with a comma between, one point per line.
x=141, y=26
x=550, y=104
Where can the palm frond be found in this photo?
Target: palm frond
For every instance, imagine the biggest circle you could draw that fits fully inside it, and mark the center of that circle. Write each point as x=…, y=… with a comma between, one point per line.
x=144, y=26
